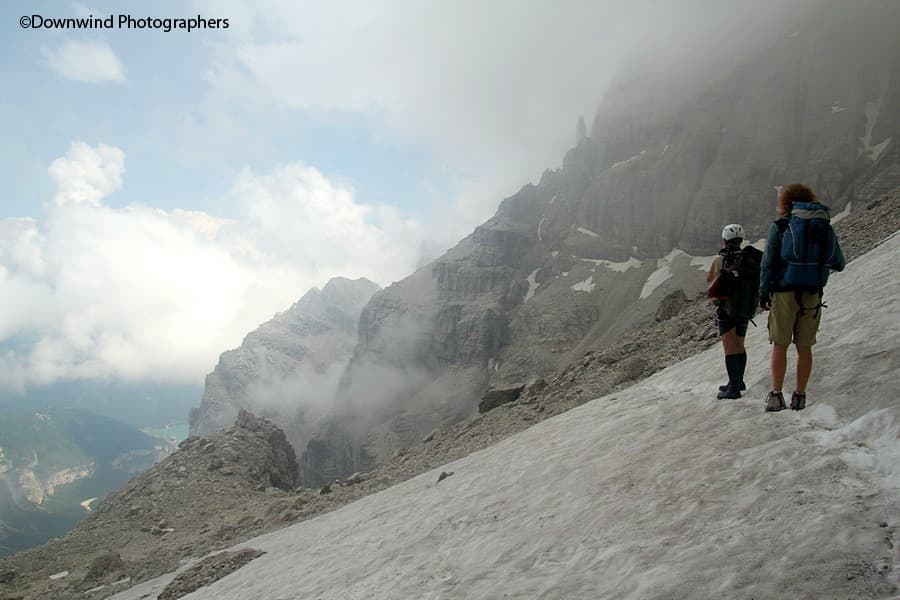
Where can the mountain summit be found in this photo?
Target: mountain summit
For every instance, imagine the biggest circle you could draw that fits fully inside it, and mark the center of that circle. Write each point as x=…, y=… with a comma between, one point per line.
x=289, y=367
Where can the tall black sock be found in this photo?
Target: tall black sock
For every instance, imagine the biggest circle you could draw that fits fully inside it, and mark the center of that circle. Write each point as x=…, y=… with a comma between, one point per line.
x=732, y=362
x=741, y=367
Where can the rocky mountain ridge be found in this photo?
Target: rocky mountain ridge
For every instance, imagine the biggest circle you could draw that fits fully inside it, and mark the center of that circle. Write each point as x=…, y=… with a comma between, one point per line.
x=208, y=506
x=570, y=264
x=289, y=367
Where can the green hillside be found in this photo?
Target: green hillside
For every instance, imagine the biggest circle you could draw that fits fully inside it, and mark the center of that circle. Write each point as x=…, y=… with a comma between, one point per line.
x=46, y=442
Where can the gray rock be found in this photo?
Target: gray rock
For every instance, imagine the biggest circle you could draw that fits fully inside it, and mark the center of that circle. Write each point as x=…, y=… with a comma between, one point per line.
x=207, y=571
x=496, y=397
x=105, y=565
x=287, y=364
x=671, y=305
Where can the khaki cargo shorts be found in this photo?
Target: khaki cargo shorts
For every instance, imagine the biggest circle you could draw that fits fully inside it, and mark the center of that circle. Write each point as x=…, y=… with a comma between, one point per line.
x=788, y=323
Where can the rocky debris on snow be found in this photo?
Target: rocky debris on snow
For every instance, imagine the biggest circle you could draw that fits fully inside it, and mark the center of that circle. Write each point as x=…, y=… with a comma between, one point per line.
x=444, y=475
x=208, y=570
x=495, y=397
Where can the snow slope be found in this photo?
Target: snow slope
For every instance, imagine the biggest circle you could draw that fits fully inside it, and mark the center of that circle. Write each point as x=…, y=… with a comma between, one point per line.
x=657, y=491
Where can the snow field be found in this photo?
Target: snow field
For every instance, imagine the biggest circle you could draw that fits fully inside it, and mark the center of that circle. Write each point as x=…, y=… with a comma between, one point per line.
x=655, y=491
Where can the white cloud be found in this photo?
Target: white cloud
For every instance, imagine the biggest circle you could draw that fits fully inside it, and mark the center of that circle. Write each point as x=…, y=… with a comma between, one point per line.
x=142, y=293
x=493, y=89
x=86, y=175
x=297, y=214
x=92, y=61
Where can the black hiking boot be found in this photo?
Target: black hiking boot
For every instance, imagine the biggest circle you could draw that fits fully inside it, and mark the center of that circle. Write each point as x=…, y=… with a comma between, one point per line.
x=742, y=387
x=798, y=400
x=729, y=392
x=774, y=402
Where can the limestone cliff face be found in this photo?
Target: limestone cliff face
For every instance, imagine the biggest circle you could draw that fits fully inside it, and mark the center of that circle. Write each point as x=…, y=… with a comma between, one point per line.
x=634, y=214
x=35, y=489
x=289, y=367
x=821, y=105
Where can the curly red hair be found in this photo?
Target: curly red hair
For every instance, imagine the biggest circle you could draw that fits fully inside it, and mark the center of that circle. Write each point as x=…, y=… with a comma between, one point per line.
x=794, y=192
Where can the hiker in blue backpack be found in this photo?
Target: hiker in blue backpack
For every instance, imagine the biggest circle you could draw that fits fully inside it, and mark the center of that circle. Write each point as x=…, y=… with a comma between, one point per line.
x=735, y=276
x=801, y=250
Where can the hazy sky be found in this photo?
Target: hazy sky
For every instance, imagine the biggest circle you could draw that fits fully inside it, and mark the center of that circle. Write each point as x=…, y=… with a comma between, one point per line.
x=165, y=193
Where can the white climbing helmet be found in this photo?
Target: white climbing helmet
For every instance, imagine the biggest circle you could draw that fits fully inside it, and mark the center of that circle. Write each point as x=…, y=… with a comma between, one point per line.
x=732, y=232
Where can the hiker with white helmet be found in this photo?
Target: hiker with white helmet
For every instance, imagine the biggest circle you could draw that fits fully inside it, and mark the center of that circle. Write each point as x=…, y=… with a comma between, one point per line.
x=734, y=274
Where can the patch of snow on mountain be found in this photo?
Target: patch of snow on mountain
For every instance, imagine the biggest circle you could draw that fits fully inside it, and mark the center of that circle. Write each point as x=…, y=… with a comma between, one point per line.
x=702, y=262
x=532, y=285
x=588, y=232
x=540, y=223
x=587, y=285
x=876, y=150
x=844, y=213
x=628, y=161
x=662, y=272
x=618, y=267
x=872, y=110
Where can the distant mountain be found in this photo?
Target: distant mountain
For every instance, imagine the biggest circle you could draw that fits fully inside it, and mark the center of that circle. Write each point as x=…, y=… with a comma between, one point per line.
x=289, y=367
x=54, y=462
x=143, y=404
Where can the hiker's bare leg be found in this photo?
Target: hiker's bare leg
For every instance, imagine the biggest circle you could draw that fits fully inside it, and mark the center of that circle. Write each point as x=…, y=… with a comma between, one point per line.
x=779, y=365
x=804, y=367
x=731, y=342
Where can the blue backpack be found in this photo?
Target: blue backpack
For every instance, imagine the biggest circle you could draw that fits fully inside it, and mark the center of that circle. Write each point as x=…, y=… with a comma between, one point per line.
x=807, y=247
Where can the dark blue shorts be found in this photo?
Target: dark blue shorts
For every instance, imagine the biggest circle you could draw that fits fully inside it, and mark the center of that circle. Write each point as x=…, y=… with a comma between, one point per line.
x=726, y=323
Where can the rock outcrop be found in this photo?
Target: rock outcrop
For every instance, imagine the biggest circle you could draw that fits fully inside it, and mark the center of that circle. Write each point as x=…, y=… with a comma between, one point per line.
x=289, y=367
x=208, y=570
x=497, y=397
